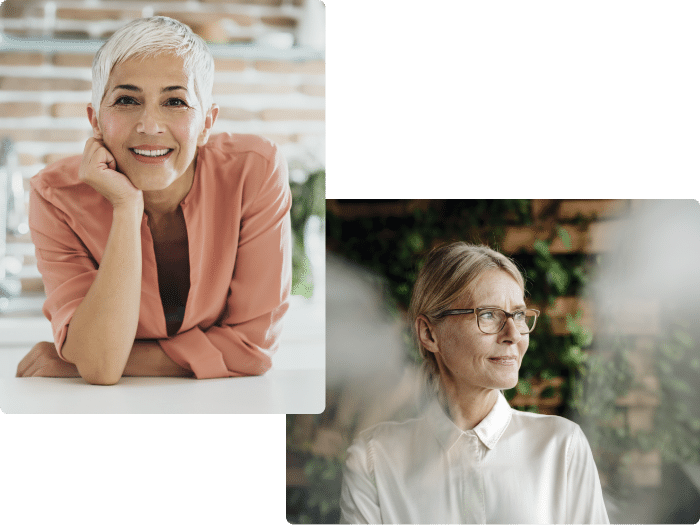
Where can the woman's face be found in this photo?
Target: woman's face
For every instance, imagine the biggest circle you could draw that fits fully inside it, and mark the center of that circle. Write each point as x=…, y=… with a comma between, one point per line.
x=151, y=121
x=470, y=358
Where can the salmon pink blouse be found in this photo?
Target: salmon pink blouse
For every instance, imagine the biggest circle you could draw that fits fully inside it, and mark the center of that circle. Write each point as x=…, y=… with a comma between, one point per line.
x=238, y=228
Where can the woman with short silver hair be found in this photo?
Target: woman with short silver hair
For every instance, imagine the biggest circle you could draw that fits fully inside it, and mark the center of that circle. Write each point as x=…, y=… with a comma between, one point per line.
x=164, y=250
x=470, y=458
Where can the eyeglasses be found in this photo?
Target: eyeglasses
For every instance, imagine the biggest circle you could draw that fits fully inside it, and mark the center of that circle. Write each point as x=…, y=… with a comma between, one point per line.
x=492, y=320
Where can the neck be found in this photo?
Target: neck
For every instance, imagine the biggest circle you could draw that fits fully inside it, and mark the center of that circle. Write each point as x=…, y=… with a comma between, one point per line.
x=467, y=407
x=165, y=202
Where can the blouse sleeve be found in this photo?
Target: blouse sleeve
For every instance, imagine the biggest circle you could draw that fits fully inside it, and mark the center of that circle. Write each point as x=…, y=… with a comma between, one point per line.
x=584, y=494
x=359, y=501
x=66, y=267
x=258, y=297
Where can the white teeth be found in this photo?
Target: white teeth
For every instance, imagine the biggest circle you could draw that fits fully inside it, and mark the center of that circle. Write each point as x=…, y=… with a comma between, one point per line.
x=151, y=153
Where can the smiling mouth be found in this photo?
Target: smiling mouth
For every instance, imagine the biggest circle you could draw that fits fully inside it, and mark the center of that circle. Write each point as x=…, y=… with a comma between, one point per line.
x=151, y=153
x=503, y=360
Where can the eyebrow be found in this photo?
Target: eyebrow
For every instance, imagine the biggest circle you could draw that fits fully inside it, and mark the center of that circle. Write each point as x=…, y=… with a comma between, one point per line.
x=516, y=307
x=131, y=87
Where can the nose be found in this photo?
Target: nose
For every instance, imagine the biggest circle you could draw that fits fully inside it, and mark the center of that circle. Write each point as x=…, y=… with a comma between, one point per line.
x=509, y=333
x=149, y=122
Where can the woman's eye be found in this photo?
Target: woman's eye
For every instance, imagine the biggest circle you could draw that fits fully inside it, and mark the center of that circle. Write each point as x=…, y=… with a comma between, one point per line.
x=124, y=101
x=519, y=315
x=486, y=315
x=177, y=102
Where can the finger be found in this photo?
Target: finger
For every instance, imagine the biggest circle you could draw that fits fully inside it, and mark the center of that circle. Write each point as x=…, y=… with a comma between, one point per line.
x=106, y=156
x=25, y=364
x=28, y=370
x=98, y=155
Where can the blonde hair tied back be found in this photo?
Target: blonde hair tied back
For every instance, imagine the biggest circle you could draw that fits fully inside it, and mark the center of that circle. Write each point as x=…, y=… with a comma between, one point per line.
x=449, y=272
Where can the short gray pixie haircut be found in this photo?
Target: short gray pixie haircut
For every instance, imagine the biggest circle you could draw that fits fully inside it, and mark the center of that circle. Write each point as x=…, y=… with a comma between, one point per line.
x=148, y=37
x=448, y=273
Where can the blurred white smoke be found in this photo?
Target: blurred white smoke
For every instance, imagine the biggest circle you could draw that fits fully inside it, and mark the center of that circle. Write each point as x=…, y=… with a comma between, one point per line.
x=656, y=256
x=366, y=347
x=647, y=286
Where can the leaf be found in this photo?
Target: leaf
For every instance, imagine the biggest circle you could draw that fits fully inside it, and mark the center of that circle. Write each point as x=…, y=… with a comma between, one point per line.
x=415, y=242
x=574, y=356
x=524, y=387
x=564, y=236
x=558, y=277
x=541, y=249
x=548, y=374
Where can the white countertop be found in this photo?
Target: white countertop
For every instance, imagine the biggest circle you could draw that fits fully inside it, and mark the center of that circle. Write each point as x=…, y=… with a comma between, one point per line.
x=295, y=384
x=276, y=392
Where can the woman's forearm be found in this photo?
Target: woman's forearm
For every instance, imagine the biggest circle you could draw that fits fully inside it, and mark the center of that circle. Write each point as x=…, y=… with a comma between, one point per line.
x=102, y=330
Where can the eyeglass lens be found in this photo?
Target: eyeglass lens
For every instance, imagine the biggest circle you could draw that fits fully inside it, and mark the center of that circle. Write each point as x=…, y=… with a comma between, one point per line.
x=492, y=321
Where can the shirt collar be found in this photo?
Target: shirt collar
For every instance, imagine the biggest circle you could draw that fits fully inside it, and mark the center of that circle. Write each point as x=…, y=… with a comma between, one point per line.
x=489, y=431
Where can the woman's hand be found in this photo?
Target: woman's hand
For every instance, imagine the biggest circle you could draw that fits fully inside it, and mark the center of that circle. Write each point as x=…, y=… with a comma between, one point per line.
x=146, y=359
x=43, y=361
x=98, y=169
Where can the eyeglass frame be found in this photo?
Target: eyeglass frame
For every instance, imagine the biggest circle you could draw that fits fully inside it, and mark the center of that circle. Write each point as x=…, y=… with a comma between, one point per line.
x=508, y=315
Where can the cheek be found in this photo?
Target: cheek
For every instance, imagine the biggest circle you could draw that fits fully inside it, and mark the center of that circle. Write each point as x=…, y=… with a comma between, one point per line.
x=112, y=127
x=187, y=129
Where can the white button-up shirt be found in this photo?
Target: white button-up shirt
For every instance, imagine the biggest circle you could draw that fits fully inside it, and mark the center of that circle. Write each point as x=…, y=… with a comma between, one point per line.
x=513, y=467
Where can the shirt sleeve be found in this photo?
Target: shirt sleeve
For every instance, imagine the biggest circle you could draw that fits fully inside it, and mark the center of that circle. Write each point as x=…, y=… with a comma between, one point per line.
x=248, y=335
x=584, y=494
x=66, y=267
x=359, y=501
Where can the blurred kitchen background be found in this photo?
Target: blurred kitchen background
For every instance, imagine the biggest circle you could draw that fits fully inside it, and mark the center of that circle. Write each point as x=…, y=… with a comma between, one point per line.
x=270, y=81
x=617, y=348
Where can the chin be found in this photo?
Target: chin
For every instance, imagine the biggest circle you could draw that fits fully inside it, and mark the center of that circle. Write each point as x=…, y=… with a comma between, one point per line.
x=508, y=384
x=152, y=187
x=150, y=183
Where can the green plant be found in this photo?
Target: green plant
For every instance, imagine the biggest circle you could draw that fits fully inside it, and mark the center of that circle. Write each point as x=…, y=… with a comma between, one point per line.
x=551, y=355
x=308, y=199
x=319, y=451
x=677, y=420
x=392, y=246
x=609, y=375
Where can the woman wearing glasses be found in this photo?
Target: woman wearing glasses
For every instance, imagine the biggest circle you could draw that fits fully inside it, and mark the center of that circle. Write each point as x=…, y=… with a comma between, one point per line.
x=470, y=458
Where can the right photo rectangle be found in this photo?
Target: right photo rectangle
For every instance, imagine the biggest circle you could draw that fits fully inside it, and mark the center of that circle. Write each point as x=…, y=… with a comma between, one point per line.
x=494, y=361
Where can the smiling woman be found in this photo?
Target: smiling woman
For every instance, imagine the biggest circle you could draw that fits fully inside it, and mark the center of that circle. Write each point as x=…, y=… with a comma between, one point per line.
x=470, y=458
x=164, y=251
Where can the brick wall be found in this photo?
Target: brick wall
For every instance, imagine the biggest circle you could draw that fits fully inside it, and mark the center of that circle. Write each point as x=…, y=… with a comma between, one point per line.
x=269, y=80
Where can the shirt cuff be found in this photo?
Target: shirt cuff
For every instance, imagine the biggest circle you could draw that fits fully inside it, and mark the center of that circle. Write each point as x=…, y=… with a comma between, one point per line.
x=193, y=350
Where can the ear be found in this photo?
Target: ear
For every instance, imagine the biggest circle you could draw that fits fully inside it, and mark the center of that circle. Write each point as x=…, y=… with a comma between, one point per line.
x=92, y=117
x=209, y=120
x=427, y=334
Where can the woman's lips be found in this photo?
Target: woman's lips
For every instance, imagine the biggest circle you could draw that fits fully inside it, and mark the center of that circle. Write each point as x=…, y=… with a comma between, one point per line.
x=504, y=361
x=151, y=154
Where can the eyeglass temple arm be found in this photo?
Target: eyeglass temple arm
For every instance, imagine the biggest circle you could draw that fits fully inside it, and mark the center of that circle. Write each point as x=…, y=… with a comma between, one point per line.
x=456, y=312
